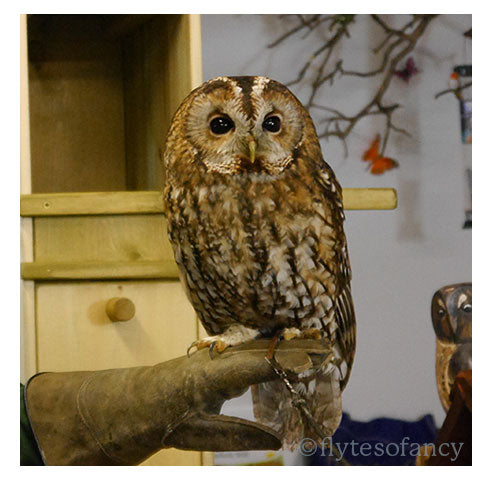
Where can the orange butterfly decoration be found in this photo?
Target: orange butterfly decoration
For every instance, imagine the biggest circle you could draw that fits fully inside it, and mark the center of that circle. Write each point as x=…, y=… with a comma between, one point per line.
x=379, y=164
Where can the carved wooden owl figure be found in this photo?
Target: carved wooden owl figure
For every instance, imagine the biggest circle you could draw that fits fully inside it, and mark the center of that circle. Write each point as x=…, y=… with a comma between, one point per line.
x=452, y=322
x=255, y=219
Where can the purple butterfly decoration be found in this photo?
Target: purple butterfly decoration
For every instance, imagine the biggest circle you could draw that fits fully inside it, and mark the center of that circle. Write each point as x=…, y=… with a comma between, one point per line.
x=408, y=71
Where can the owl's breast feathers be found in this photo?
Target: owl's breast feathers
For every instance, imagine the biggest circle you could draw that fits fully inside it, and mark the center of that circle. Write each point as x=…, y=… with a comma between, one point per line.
x=263, y=251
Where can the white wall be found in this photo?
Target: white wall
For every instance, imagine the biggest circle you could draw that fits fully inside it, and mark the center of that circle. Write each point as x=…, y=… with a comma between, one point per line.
x=399, y=258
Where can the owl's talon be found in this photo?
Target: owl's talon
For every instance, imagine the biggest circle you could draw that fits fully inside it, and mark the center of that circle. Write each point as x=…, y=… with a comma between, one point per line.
x=198, y=345
x=189, y=349
x=217, y=346
x=212, y=349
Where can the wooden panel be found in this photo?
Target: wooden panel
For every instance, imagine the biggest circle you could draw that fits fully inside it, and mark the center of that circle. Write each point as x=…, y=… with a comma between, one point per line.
x=76, y=105
x=161, y=68
x=74, y=332
x=101, y=247
x=182, y=66
x=146, y=118
x=27, y=293
x=195, y=36
x=103, y=90
x=102, y=238
x=25, y=172
x=119, y=25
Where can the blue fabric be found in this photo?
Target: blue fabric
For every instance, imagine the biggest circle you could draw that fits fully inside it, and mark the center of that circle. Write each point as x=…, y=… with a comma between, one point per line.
x=383, y=441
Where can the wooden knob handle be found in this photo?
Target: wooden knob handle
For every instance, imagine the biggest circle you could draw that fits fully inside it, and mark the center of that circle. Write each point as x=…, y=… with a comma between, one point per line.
x=120, y=309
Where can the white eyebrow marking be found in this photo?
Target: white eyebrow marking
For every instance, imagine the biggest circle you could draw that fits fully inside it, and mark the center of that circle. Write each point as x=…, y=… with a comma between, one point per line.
x=237, y=90
x=259, y=84
x=257, y=95
x=216, y=79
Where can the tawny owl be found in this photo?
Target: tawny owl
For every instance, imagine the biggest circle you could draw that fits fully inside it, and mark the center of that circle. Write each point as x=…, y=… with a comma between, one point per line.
x=255, y=219
x=452, y=322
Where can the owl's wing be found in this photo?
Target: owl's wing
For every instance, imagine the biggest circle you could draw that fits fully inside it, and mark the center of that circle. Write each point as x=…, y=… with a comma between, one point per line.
x=345, y=332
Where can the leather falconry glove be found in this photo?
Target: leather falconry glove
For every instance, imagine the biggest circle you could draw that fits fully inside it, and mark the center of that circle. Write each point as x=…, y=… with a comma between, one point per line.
x=123, y=416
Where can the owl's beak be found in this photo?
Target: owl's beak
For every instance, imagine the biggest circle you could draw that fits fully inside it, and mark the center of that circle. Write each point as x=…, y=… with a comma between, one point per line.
x=252, y=148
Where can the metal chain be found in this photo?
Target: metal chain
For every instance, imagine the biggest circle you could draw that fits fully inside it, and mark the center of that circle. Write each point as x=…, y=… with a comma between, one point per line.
x=300, y=404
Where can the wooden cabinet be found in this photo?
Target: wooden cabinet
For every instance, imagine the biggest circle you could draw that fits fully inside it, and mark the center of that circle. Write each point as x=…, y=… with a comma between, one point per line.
x=98, y=93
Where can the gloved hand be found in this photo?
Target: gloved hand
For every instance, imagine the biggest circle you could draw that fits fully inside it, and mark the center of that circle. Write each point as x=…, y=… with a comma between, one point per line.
x=123, y=416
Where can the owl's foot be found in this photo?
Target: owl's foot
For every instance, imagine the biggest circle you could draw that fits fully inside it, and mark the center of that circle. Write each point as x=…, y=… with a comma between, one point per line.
x=312, y=333
x=234, y=335
x=289, y=334
x=309, y=333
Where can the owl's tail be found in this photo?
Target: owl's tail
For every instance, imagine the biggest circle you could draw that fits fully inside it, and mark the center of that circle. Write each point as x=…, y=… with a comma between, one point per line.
x=272, y=406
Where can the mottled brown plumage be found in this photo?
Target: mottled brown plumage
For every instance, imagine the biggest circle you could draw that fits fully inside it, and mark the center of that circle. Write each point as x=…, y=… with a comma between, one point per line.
x=256, y=223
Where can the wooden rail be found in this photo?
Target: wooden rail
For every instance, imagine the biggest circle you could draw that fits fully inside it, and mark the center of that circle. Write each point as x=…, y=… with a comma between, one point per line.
x=121, y=203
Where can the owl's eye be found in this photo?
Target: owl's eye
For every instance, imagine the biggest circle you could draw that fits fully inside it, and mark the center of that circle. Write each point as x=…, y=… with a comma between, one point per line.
x=467, y=308
x=221, y=125
x=272, y=124
x=440, y=312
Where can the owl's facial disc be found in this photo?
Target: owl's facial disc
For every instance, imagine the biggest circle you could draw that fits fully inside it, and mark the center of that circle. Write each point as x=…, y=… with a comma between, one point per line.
x=245, y=125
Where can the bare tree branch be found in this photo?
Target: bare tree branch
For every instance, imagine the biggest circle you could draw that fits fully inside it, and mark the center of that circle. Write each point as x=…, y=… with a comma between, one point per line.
x=311, y=24
x=324, y=65
x=455, y=91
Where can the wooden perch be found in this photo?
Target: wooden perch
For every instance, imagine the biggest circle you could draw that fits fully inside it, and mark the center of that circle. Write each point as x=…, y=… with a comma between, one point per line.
x=125, y=203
